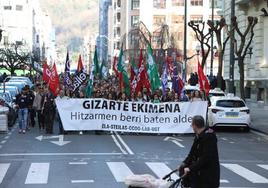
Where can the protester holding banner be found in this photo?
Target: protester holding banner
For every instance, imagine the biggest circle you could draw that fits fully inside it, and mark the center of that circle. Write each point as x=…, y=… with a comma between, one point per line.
x=49, y=110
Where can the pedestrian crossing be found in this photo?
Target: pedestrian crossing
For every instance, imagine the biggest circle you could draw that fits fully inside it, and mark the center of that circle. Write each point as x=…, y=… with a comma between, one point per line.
x=38, y=173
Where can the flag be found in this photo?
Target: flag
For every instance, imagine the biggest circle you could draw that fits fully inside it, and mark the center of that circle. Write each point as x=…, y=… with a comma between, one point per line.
x=133, y=76
x=46, y=72
x=203, y=81
x=115, y=66
x=164, y=78
x=96, y=63
x=54, y=80
x=80, y=66
x=123, y=78
x=175, y=78
x=67, y=78
x=142, y=79
x=152, y=70
x=89, y=88
x=101, y=69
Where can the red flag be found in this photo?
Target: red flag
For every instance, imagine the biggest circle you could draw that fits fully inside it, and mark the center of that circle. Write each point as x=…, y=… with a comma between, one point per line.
x=181, y=85
x=203, y=81
x=115, y=66
x=54, y=80
x=142, y=77
x=46, y=72
x=80, y=64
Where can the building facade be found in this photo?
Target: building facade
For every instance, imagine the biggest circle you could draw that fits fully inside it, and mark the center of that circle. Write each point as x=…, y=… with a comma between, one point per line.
x=24, y=23
x=256, y=64
x=155, y=13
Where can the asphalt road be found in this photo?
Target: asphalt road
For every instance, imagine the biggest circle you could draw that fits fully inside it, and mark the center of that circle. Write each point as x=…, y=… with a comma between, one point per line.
x=90, y=160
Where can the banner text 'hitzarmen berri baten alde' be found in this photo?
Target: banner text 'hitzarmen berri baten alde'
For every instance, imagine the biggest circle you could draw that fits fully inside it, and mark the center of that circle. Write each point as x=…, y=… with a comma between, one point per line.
x=109, y=115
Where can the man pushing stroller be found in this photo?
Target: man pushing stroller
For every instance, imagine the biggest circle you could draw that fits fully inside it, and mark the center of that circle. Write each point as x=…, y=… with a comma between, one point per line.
x=201, y=167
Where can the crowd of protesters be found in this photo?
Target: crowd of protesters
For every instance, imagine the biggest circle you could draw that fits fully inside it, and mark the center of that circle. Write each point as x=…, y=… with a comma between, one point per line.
x=38, y=103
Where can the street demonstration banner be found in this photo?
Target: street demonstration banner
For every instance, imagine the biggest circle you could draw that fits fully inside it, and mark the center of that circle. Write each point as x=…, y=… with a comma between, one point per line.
x=109, y=115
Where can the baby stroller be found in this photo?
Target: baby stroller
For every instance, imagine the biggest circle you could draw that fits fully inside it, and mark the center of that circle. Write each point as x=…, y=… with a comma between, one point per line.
x=148, y=181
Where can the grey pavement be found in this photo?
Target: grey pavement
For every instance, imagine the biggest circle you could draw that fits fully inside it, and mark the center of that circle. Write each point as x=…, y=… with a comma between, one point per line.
x=259, y=116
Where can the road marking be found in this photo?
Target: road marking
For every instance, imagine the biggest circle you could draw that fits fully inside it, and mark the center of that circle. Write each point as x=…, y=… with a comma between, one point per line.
x=118, y=145
x=224, y=181
x=9, y=133
x=245, y=173
x=78, y=163
x=119, y=170
x=7, y=137
x=260, y=134
x=82, y=181
x=124, y=144
x=3, y=170
x=175, y=141
x=4, y=141
x=37, y=174
x=161, y=169
x=263, y=166
x=55, y=154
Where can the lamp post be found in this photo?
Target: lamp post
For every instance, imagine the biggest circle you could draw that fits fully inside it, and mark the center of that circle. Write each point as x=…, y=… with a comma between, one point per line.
x=185, y=40
x=232, y=58
x=212, y=52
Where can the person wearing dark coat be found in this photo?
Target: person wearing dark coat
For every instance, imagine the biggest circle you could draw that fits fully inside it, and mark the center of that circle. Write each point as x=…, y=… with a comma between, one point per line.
x=201, y=166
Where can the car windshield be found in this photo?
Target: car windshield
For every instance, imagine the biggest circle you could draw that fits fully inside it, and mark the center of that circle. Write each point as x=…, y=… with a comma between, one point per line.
x=216, y=94
x=230, y=103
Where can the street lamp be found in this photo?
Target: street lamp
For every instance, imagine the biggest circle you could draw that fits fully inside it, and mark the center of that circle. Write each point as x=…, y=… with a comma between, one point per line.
x=197, y=49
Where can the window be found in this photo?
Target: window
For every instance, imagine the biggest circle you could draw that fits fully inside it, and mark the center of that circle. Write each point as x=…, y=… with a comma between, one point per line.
x=197, y=2
x=135, y=4
x=177, y=19
x=19, y=7
x=37, y=38
x=119, y=3
x=230, y=103
x=177, y=3
x=217, y=3
x=159, y=20
x=197, y=18
x=118, y=17
x=7, y=7
x=159, y=4
x=134, y=20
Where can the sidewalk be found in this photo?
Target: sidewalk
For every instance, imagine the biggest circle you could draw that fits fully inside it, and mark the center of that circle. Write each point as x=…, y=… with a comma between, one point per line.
x=259, y=116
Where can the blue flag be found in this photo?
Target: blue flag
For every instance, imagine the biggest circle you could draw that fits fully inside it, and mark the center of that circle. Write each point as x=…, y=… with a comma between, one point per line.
x=164, y=78
x=175, y=78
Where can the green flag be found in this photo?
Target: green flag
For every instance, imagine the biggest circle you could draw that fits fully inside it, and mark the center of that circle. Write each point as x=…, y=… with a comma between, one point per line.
x=89, y=88
x=101, y=69
x=123, y=79
x=96, y=69
x=152, y=70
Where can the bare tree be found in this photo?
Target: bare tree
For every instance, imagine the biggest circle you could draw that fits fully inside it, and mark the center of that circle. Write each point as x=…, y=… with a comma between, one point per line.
x=242, y=45
x=13, y=57
x=203, y=39
x=217, y=29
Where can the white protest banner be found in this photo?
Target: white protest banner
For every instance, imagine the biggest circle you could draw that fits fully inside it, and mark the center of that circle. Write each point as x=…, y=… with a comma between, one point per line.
x=109, y=115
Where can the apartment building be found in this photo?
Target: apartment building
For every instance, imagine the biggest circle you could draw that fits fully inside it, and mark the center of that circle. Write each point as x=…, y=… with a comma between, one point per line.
x=24, y=23
x=155, y=13
x=256, y=64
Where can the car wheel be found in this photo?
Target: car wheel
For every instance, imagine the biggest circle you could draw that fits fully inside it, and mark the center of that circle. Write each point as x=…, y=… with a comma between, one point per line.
x=246, y=129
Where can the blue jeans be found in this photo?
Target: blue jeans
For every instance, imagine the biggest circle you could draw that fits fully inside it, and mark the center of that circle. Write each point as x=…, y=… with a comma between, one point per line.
x=23, y=117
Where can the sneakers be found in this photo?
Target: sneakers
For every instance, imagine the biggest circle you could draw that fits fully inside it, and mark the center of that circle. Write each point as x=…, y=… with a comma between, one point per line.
x=20, y=131
x=23, y=131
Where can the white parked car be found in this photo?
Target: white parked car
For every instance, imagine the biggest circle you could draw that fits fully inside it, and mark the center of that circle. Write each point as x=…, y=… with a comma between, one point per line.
x=216, y=92
x=228, y=111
